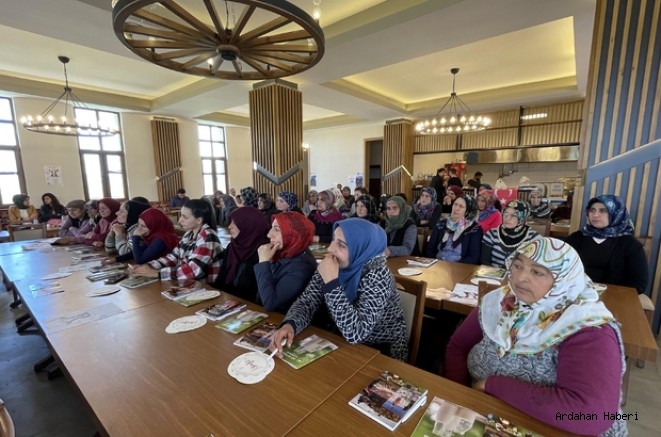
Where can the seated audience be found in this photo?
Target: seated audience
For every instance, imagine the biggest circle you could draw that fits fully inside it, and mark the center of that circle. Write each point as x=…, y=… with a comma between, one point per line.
x=121, y=230
x=247, y=229
x=285, y=264
x=248, y=197
x=451, y=193
x=154, y=237
x=179, y=199
x=76, y=225
x=287, y=201
x=310, y=204
x=51, y=209
x=266, y=205
x=457, y=238
x=22, y=211
x=607, y=247
x=365, y=208
x=228, y=205
x=544, y=343
x=198, y=254
x=355, y=286
x=92, y=210
x=324, y=216
x=500, y=242
x=347, y=201
x=401, y=231
x=496, y=202
x=107, y=208
x=488, y=216
x=539, y=208
x=427, y=210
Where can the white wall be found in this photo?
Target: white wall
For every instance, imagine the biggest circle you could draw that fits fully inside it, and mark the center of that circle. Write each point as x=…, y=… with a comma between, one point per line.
x=239, y=157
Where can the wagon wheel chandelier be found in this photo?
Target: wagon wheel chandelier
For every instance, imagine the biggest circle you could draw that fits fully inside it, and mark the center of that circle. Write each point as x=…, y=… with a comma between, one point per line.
x=266, y=39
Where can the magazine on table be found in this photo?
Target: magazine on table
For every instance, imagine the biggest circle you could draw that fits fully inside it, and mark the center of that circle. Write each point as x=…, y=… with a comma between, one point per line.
x=137, y=281
x=220, y=311
x=88, y=256
x=490, y=272
x=108, y=267
x=464, y=293
x=389, y=400
x=445, y=419
x=420, y=261
x=241, y=321
x=258, y=338
x=182, y=288
x=100, y=276
x=303, y=352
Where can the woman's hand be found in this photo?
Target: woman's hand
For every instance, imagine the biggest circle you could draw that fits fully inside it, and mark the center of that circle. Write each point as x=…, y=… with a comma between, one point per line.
x=118, y=229
x=98, y=244
x=90, y=234
x=387, y=252
x=144, y=270
x=329, y=268
x=315, y=239
x=480, y=385
x=284, y=334
x=266, y=251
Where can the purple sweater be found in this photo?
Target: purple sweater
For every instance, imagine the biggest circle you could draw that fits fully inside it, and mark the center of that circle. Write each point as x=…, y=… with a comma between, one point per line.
x=584, y=384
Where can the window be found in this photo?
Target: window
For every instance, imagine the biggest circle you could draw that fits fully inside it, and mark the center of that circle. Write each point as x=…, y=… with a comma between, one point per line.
x=11, y=172
x=101, y=158
x=214, y=158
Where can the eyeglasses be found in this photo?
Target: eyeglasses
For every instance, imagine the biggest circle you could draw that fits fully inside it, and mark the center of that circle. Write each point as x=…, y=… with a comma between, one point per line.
x=508, y=215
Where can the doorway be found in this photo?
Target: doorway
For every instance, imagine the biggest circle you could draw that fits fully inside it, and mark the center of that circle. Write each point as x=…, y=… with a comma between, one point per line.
x=374, y=163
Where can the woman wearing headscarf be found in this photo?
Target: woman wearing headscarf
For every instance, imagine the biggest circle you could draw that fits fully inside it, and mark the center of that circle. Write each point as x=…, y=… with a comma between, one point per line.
x=496, y=202
x=452, y=193
x=248, y=197
x=401, y=230
x=324, y=216
x=544, y=343
x=427, y=210
x=198, y=253
x=121, y=230
x=266, y=205
x=366, y=208
x=51, y=208
x=488, y=216
x=154, y=237
x=357, y=289
x=228, y=206
x=22, y=211
x=285, y=263
x=607, y=247
x=539, y=208
x=287, y=201
x=76, y=225
x=457, y=238
x=310, y=204
x=499, y=243
x=107, y=208
x=247, y=229
x=92, y=210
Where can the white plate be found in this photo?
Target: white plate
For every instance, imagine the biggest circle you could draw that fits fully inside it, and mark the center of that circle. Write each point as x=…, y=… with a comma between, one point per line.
x=476, y=280
x=56, y=275
x=110, y=289
x=203, y=295
x=251, y=367
x=409, y=271
x=187, y=323
x=599, y=287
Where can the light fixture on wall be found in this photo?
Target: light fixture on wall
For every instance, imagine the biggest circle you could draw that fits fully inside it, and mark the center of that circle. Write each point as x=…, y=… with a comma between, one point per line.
x=457, y=119
x=66, y=124
x=231, y=40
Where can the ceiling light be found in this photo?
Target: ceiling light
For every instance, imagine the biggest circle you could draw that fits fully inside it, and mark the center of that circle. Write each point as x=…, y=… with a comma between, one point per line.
x=534, y=116
x=48, y=124
x=457, y=119
x=265, y=39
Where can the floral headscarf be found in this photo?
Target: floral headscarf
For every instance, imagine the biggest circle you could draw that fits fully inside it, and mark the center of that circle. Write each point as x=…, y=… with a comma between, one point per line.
x=619, y=223
x=514, y=236
x=490, y=200
x=331, y=214
x=425, y=212
x=570, y=305
x=455, y=229
x=290, y=198
x=541, y=210
x=249, y=196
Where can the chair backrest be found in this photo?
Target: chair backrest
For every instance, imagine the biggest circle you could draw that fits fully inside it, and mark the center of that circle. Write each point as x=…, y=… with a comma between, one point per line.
x=412, y=297
x=6, y=424
x=542, y=226
x=483, y=287
x=27, y=232
x=647, y=246
x=423, y=239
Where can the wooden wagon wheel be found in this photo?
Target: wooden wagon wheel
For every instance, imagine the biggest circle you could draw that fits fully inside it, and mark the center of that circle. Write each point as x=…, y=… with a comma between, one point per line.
x=269, y=39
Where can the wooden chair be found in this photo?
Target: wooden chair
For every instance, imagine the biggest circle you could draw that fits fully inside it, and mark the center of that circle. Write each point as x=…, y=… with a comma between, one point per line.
x=27, y=232
x=423, y=239
x=412, y=297
x=542, y=226
x=483, y=287
x=6, y=424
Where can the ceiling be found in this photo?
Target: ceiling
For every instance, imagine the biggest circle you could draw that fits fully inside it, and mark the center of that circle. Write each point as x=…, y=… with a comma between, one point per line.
x=384, y=59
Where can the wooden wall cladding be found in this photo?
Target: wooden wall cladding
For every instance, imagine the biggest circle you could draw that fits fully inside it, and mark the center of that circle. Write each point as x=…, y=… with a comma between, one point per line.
x=167, y=158
x=398, y=150
x=276, y=129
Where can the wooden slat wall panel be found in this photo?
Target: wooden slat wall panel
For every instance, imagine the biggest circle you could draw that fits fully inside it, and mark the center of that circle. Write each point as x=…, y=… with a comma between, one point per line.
x=398, y=150
x=490, y=139
x=622, y=113
x=167, y=158
x=435, y=143
x=563, y=133
x=555, y=113
x=276, y=128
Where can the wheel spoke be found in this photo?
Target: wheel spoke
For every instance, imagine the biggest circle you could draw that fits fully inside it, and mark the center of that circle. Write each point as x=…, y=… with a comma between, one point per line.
x=197, y=60
x=243, y=20
x=167, y=23
x=177, y=54
x=272, y=61
x=190, y=19
x=265, y=28
x=282, y=37
x=283, y=55
x=220, y=30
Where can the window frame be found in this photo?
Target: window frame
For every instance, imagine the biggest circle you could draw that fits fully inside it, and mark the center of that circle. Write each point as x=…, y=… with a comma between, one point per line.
x=16, y=149
x=214, y=176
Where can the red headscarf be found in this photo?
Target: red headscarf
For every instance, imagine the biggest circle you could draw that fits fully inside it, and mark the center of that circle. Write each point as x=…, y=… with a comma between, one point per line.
x=297, y=233
x=253, y=228
x=102, y=228
x=160, y=226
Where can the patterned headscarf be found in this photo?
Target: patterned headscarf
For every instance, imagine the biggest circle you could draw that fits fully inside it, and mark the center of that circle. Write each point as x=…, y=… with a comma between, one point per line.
x=297, y=234
x=490, y=200
x=365, y=241
x=249, y=196
x=394, y=223
x=571, y=304
x=331, y=214
x=619, y=223
x=543, y=208
x=425, y=212
x=160, y=227
x=520, y=231
x=290, y=198
x=253, y=228
x=455, y=229
x=369, y=203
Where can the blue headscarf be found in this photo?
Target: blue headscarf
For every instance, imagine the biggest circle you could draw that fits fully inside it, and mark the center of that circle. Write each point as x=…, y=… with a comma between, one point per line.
x=365, y=241
x=619, y=223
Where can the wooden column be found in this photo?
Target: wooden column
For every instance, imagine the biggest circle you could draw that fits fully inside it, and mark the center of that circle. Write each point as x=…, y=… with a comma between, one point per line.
x=398, y=144
x=276, y=129
x=167, y=157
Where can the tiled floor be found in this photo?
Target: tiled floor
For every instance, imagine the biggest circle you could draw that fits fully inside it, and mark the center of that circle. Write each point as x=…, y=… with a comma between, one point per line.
x=46, y=408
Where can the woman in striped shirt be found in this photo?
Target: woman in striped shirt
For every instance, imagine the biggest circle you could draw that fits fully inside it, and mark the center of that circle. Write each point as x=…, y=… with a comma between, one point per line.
x=500, y=242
